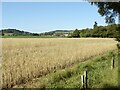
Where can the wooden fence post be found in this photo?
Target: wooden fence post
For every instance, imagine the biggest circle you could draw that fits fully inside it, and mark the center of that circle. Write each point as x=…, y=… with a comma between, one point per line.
x=82, y=80
x=85, y=77
x=112, y=63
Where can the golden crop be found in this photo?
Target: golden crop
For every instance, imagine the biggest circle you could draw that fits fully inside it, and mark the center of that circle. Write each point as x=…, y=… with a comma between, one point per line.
x=26, y=58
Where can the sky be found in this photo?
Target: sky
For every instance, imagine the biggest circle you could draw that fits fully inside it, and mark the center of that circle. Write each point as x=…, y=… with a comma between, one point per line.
x=48, y=16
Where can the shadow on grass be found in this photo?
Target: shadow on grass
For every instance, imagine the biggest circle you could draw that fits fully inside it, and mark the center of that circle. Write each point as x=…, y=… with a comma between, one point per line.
x=110, y=87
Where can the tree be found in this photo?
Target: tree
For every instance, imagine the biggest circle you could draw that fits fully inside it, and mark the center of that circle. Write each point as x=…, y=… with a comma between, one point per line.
x=76, y=33
x=108, y=9
x=95, y=25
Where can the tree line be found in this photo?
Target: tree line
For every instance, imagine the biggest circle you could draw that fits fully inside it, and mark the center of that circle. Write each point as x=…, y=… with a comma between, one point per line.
x=110, y=31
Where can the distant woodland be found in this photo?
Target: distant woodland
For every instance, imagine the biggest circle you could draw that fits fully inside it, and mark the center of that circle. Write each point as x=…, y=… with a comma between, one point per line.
x=110, y=31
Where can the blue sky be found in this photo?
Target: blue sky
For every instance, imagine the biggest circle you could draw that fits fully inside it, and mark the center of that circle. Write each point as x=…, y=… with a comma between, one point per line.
x=49, y=16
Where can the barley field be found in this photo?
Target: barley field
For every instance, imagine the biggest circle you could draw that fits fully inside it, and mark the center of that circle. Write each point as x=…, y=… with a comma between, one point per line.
x=26, y=58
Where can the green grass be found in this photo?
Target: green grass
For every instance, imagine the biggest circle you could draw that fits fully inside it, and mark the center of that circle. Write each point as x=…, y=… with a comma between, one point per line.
x=29, y=37
x=99, y=71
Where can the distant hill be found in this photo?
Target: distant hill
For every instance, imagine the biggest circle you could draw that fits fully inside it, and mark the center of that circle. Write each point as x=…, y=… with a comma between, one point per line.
x=13, y=32
x=57, y=32
x=63, y=30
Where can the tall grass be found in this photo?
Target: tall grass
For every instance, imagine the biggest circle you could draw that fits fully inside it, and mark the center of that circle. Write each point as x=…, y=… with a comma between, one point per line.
x=28, y=58
x=99, y=72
